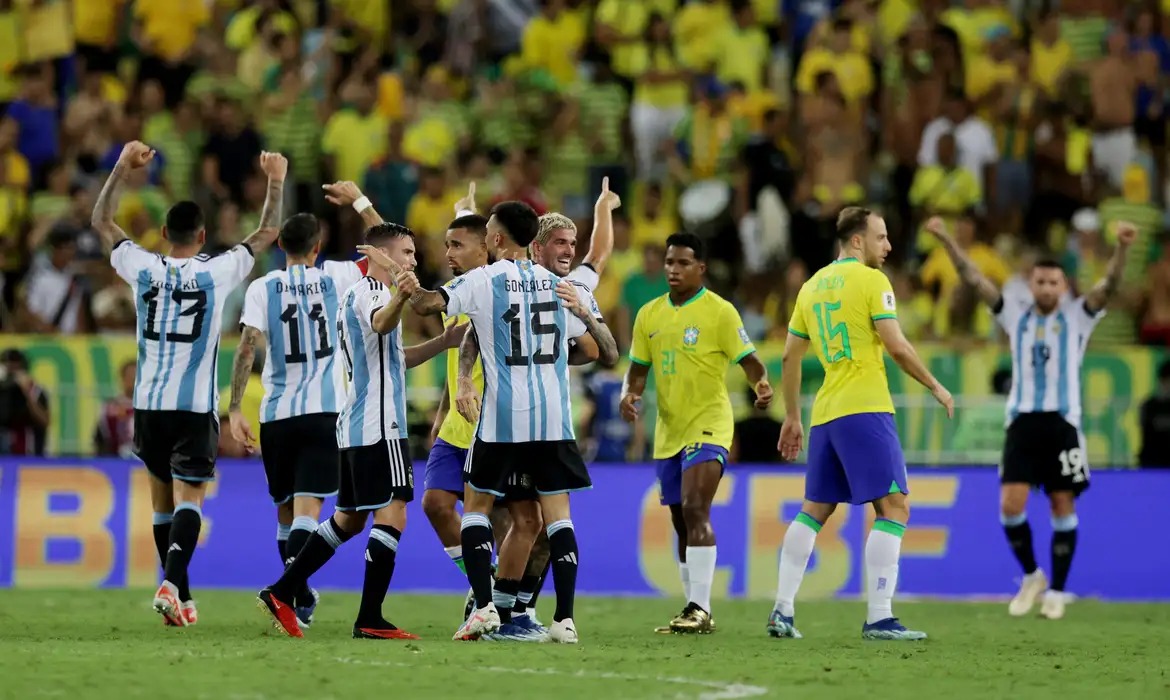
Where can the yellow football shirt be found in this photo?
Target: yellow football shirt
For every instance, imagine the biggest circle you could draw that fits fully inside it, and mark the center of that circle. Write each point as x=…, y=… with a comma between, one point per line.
x=689, y=348
x=836, y=310
x=455, y=430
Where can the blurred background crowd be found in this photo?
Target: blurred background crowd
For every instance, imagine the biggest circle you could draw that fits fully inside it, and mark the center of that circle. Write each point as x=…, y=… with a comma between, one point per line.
x=1031, y=126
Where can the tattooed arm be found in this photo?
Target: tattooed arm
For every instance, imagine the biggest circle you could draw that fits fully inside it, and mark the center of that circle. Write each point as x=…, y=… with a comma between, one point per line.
x=988, y=292
x=134, y=155
x=275, y=166
x=241, y=371
x=467, y=396
x=1098, y=297
x=606, y=345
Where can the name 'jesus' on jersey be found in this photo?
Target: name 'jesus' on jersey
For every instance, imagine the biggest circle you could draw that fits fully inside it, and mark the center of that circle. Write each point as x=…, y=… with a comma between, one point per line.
x=179, y=306
x=297, y=310
x=375, y=405
x=1047, y=352
x=523, y=333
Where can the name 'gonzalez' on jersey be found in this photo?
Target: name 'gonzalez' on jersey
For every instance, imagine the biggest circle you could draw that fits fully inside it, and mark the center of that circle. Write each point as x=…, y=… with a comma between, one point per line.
x=297, y=310
x=375, y=406
x=179, y=305
x=523, y=333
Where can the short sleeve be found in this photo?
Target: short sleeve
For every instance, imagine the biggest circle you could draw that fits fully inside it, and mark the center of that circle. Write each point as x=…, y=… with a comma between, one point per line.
x=796, y=324
x=589, y=301
x=1086, y=319
x=233, y=267
x=344, y=273
x=640, y=345
x=880, y=301
x=585, y=275
x=128, y=258
x=1012, y=301
x=367, y=300
x=734, y=340
x=253, y=314
x=463, y=292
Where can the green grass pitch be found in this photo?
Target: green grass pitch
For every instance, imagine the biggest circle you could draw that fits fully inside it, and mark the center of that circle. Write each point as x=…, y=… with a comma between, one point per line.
x=109, y=644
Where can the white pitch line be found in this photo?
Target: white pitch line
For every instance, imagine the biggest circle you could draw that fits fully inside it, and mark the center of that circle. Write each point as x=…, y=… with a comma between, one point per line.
x=718, y=690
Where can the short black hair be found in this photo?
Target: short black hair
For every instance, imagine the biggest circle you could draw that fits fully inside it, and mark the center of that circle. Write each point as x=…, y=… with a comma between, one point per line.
x=1050, y=263
x=184, y=221
x=472, y=222
x=299, y=234
x=688, y=240
x=14, y=356
x=61, y=235
x=851, y=221
x=519, y=220
x=385, y=232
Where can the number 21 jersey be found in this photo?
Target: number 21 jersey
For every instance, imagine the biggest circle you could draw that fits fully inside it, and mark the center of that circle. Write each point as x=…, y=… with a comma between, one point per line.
x=179, y=306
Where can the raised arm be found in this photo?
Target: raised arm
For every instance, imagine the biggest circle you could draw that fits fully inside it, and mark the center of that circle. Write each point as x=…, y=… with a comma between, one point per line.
x=134, y=155
x=907, y=358
x=606, y=345
x=601, y=241
x=241, y=370
x=347, y=194
x=275, y=166
x=988, y=292
x=1098, y=297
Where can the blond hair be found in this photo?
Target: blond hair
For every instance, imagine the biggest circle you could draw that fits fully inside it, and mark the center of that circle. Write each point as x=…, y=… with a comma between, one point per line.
x=553, y=222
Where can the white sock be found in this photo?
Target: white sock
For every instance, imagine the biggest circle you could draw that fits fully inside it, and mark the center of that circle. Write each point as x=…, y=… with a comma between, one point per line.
x=794, y=555
x=882, y=550
x=685, y=574
x=456, y=554
x=701, y=568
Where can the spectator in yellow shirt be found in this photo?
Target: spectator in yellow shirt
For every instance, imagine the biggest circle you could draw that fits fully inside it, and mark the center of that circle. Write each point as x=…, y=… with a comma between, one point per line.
x=661, y=96
x=429, y=212
x=852, y=69
x=95, y=26
x=991, y=72
x=355, y=136
x=945, y=190
x=697, y=28
x=1051, y=55
x=166, y=31
x=744, y=49
x=552, y=41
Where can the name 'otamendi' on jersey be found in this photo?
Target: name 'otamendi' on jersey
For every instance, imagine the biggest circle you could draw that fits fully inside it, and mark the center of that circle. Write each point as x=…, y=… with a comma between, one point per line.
x=179, y=308
x=297, y=311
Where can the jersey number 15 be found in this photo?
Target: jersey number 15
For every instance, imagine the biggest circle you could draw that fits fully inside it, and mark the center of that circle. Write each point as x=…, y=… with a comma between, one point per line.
x=829, y=330
x=538, y=332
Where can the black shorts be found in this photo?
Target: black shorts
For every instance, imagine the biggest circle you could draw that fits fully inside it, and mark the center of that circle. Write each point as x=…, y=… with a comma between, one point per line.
x=177, y=444
x=300, y=456
x=1044, y=450
x=374, y=475
x=525, y=470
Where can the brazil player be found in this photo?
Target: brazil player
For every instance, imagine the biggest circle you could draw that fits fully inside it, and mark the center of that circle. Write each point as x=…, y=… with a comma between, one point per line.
x=688, y=337
x=1048, y=330
x=847, y=312
x=180, y=301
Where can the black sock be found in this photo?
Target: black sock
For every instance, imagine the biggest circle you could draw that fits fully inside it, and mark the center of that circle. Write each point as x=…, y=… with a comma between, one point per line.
x=297, y=537
x=380, y=554
x=318, y=550
x=562, y=542
x=1019, y=536
x=540, y=584
x=162, y=541
x=524, y=596
x=1064, y=544
x=505, y=597
x=282, y=548
x=184, y=537
x=476, y=539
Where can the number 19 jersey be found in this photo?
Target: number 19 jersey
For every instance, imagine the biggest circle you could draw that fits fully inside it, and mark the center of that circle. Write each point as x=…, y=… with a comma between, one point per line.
x=836, y=310
x=296, y=309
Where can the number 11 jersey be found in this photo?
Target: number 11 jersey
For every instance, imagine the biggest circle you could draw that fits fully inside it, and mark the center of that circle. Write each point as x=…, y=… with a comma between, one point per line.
x=296, y=309
x=179, y=306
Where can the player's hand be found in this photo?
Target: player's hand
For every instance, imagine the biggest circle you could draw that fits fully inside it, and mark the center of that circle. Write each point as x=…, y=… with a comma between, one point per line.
x=453, y=335
x=378, y=257
x=274, y=165
x=136, y=155
x=342, y=193
x=1126, y=234
x=407, y=283
x=629, y=407
x=608, y=199
x=569, y=299
x=242, y=432
x=791, y=439
x=467, y=401
x=468, y=202
x=936, y=227
x=763, y=394
x=945, y=399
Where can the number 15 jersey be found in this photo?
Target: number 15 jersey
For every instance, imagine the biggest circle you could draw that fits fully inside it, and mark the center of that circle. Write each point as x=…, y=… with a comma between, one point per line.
x=836, y=310
x=179, y=306
x=523, y=333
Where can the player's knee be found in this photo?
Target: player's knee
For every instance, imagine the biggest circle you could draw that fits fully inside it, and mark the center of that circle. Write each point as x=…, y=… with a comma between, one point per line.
x=437, y=505
x=284, y=512
x=695, y=513
x=393, y=515
x=526, y=522
x=1012, y=503
x=351, y=522
x=1063, y=504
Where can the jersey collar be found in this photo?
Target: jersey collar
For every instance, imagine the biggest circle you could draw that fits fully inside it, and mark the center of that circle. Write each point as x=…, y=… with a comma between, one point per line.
x=701, y=292
x=845, y=260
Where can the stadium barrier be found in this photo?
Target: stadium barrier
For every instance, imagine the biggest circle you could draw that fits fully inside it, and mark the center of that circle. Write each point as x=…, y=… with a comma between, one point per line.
x=87, y=523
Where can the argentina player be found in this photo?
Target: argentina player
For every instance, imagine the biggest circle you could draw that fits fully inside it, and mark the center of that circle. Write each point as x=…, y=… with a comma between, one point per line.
x=1048, y=331
x=179, y=304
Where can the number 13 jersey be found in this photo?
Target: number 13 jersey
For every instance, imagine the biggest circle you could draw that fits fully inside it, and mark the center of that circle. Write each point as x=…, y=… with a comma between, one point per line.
x=296, y=309
x=179, y=306
x=523, y=333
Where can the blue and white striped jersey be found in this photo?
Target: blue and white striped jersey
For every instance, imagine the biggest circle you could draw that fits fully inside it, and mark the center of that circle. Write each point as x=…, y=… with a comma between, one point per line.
x=1047, y=352
x=375, y=405
x=296, y=309
x=179, y=304
x=523, y=333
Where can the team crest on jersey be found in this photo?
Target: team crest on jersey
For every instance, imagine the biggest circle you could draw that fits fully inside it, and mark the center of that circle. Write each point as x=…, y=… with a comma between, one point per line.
x=691, y=335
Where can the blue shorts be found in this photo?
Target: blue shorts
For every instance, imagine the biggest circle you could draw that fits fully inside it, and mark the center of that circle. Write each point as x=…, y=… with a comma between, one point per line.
x=854, y=459
x=670, y=470
x=445, y=468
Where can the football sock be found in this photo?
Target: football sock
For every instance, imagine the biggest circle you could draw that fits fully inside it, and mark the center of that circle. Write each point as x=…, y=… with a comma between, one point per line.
x=476, y=536
x=882, y=550
x=701, y=570
x=162, y=541
x=794, y=555
x=685, y=576
x=1019, y=537
x=528, y=584
x=456, y=554
x=282, y=541
x=298, y=535
x=531, y=604
x=1064, y=544
x=188, y=518
x=562, y=543
x=504, y=596
x=318, y=550
x=380, y=552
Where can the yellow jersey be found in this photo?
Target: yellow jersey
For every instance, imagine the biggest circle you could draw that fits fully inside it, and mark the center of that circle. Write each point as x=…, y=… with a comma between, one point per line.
x=455, y=430
x=836, y=310
x=689, y=348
